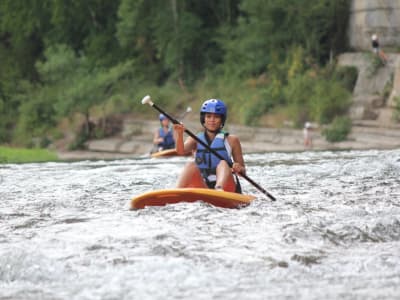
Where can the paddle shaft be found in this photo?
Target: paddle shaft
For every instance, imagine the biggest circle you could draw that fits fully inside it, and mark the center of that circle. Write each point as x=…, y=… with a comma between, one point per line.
x=173, y=120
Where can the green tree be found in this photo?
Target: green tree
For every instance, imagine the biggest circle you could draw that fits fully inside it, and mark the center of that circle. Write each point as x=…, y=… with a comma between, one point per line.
x=22, y=27
x=312, y=97
x=78, y=86
x=174, y=39
x=267, y=29
x=37, y=117
x=88, y=27
x=60, y=57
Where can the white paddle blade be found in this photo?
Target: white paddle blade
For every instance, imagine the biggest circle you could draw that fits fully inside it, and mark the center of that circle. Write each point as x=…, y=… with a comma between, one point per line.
x=147, y=100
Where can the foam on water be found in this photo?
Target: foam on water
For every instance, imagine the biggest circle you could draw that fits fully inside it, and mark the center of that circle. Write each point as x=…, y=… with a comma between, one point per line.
x=66, y=231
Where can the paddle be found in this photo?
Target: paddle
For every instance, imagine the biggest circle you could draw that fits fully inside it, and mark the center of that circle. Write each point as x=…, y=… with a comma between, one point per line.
x=183, y=115
x=147, y=100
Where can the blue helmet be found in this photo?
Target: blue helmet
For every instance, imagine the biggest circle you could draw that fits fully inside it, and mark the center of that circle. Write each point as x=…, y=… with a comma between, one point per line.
x=214, y=106
x=162, y=117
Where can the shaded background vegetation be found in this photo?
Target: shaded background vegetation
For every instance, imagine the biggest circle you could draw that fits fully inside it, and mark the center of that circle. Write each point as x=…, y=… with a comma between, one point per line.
x=98, y=58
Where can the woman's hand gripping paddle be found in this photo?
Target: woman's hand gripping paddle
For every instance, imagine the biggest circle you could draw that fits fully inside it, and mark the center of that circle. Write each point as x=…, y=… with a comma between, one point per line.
x=147, y=100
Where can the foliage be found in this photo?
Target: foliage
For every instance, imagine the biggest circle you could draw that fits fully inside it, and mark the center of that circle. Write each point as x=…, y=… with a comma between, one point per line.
x=22, y=26
x=311, y=97
x=266, y=29
x=374, y=63
x=263, y=103
x=328, y=100
x=297, y=94
x=6, y=121
x=173, y=39
x=19, y=155
x=347, y=76
x=36, y=119
x=338, y=130
x=63, y=58
x=81, y=87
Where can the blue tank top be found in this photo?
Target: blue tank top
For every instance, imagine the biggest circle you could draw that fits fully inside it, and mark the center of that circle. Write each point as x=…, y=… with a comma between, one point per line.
x=206, y=161
x=168, y=142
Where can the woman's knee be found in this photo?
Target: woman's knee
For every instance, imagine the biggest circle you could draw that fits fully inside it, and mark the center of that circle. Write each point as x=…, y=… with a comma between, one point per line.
x=191, y=176
x=191, y=167
x=223, y=165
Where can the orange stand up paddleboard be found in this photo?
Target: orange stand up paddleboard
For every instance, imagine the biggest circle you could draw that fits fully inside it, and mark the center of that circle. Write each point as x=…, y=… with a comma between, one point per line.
x=171, y=196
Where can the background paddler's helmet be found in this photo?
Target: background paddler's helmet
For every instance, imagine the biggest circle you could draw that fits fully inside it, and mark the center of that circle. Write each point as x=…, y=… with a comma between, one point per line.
x=214, y=106
x=162, y=117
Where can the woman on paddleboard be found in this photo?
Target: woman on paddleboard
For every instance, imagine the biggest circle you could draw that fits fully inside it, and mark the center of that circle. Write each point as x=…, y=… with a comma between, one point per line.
x=207, y=170
x=163, y=137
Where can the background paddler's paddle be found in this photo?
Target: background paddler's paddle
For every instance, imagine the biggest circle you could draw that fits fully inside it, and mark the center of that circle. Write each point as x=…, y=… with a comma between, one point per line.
x=147, y=100
x=183, y=115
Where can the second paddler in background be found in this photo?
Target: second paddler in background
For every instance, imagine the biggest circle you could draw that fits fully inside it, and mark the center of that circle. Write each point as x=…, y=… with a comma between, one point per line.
x=163, y=136
x=207, y=170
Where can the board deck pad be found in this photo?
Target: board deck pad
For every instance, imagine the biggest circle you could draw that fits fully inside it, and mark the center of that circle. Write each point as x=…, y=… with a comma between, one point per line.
x=171, y=196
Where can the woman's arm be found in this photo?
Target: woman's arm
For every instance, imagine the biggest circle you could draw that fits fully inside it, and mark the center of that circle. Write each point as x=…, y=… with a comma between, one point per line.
x=237, y=155
x=157, y=139
x=183, y=148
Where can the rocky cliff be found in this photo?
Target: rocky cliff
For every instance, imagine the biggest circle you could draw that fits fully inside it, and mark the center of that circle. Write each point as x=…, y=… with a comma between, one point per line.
x=377, y=86
x=367, y=17
x=376, y=89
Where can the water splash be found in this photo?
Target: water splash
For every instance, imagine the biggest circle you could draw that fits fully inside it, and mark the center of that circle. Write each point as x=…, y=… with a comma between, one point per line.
x=66, y=231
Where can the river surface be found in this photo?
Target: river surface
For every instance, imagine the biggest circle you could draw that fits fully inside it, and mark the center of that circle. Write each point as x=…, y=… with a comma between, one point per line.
x=66, y=231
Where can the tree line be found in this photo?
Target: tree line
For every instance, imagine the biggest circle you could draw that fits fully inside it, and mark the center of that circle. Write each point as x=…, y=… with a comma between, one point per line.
x=62, y=57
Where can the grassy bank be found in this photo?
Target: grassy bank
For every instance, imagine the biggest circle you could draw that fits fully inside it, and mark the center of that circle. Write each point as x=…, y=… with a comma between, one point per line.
x=21, y=155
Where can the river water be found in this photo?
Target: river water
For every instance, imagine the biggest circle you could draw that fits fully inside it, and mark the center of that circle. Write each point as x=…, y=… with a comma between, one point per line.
x=66, y=231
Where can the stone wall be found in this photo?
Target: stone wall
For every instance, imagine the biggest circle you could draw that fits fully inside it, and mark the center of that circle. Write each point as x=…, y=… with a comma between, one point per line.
x=381, y=17
x=370, y=101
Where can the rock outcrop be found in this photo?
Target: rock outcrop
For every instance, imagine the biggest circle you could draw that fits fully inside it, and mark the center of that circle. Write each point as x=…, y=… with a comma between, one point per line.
x=367, y=17
x=376, y=88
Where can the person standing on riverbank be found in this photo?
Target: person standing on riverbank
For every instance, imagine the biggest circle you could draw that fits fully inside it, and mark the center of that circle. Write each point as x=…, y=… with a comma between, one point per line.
x=377, y=50
x=307, y=134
